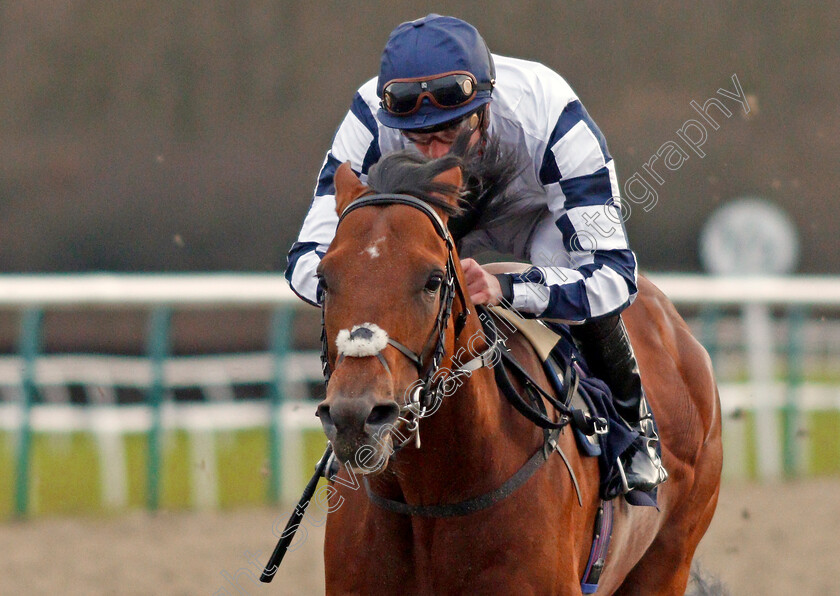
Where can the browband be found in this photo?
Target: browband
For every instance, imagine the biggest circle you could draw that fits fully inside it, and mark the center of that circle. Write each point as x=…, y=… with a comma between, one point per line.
x=400, y=199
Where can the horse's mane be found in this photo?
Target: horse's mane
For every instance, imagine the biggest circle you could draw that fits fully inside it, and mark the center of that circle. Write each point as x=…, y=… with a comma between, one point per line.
x=488, y=170
x=409, y=172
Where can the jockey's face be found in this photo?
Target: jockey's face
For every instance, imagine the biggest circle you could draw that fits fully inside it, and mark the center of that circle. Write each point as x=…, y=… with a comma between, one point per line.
x=437, y=144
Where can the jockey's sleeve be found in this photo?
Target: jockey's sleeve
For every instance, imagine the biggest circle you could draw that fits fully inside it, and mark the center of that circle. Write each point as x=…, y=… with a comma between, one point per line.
x=356, y=141
x=583, y=266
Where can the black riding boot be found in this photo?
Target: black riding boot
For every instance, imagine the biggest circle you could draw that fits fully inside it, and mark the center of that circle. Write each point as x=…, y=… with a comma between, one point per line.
x=606, y=347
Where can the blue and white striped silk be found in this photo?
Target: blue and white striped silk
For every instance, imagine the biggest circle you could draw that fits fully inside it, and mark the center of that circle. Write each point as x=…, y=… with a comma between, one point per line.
x=568, y=220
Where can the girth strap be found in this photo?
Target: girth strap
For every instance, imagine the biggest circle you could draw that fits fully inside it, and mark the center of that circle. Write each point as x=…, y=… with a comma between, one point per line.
x=470, y=505
x=600, y=546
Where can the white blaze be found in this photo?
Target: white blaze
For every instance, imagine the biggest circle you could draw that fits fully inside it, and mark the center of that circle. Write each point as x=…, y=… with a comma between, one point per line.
x=373, y=249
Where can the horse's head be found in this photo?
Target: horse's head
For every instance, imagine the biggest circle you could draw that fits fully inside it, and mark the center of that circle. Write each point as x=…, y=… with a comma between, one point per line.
x=385, y=300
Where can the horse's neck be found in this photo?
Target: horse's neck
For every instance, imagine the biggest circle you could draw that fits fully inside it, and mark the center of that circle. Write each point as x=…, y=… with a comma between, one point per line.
x=472, y=412
x=463, y=438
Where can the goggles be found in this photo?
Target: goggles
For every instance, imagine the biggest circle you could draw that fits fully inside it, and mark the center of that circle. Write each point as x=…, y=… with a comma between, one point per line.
x=403, y=97
x=445, y=135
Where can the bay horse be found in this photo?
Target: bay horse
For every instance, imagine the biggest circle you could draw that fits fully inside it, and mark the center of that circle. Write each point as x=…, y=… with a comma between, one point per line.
x=389, y=279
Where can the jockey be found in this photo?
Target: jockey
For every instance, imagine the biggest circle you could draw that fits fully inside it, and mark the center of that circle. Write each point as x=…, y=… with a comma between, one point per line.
x=438, y=79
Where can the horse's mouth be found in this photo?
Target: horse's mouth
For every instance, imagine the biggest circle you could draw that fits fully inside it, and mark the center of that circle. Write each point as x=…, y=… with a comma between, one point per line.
x=364, y=458
x=360, y=430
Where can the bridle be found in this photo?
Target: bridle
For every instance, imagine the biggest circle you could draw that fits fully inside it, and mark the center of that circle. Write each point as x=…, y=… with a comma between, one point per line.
x=426, y=394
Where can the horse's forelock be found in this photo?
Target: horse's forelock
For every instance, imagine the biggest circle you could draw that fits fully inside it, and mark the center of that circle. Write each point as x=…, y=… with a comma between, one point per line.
x=488, y=169
x=409, y=172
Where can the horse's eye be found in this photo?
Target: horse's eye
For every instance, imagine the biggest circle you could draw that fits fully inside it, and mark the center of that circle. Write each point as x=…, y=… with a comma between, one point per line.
x=433, y=285
x=322, y=283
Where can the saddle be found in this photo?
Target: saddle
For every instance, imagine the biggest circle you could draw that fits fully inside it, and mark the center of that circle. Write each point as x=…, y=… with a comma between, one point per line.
x=598, y=428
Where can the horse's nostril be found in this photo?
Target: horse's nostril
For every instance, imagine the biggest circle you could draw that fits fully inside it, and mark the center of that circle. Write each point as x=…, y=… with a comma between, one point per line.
x=323, y=412
x=383, y=414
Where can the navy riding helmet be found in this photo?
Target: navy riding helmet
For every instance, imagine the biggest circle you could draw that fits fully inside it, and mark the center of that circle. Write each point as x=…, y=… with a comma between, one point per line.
x=434, y=70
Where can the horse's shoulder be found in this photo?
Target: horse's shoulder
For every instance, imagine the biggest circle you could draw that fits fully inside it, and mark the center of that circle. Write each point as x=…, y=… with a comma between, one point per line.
x=655, y=325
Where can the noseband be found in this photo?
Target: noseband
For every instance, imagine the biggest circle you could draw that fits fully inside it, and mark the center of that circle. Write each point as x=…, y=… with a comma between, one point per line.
x=427, y=393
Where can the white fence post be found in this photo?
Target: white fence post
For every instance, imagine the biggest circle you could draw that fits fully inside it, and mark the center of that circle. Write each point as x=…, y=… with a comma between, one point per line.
x=760, y=352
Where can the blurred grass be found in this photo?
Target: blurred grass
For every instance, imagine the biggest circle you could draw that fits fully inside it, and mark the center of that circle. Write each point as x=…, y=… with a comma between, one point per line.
x=65, y=468
x=7, y=473
x=135, y=454
x=751, y=459
x=822, y=456
x=824, y=431
x=242, y=458
x=64, y=473
x=175, y=478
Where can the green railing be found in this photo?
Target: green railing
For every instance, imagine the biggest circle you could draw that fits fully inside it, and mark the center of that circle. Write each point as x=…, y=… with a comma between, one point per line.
x=162, y=295
x=30, y=341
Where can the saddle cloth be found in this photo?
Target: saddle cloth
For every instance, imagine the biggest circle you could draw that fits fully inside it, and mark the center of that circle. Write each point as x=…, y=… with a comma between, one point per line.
x=553, y=343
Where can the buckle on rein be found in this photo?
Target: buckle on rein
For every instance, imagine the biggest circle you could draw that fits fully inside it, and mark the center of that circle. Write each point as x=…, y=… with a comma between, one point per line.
x=422, y=401
x=410, y=415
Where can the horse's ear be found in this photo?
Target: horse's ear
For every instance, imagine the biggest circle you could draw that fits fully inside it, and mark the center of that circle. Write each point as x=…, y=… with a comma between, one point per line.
x=452, y=177
x=347, y=187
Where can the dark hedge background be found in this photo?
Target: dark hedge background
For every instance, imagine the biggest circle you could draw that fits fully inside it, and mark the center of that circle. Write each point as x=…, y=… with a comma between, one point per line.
x=186, y=136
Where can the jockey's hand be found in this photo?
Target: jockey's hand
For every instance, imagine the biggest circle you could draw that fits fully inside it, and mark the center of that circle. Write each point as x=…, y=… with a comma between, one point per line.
x=482, y=287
